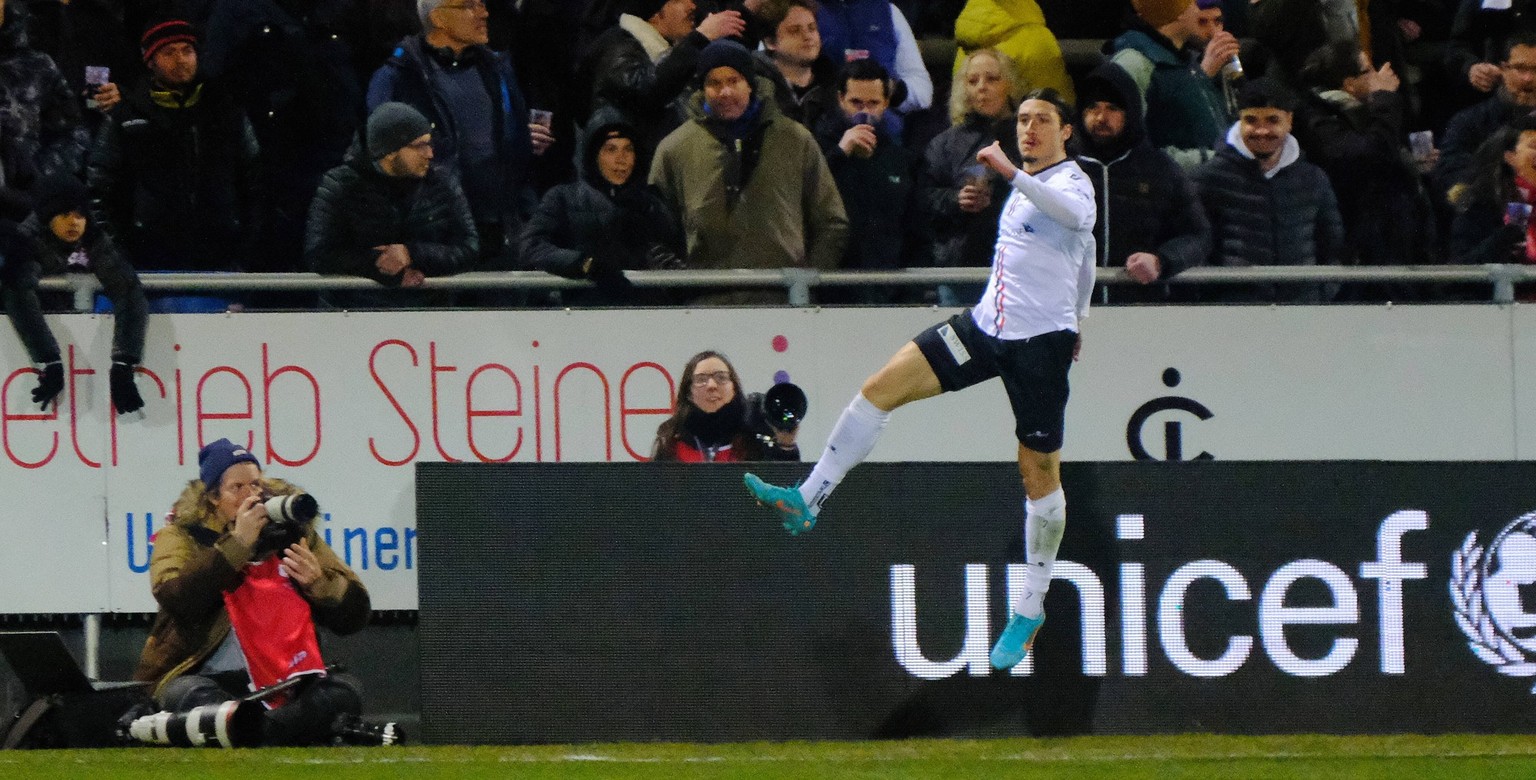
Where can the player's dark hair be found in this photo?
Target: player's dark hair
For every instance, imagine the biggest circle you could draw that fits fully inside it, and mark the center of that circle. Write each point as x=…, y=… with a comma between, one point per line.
x=1064, y=110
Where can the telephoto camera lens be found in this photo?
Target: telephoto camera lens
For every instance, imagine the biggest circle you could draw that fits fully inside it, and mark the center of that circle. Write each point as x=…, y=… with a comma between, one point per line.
x=297, y=508
x=228, y=724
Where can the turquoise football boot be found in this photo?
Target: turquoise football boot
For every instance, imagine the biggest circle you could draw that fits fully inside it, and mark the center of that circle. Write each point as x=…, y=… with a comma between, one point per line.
x=785, y=501
x=1018, y=637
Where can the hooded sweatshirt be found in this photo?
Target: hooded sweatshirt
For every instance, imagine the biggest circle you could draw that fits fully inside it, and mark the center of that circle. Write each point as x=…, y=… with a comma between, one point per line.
x=1146, y=201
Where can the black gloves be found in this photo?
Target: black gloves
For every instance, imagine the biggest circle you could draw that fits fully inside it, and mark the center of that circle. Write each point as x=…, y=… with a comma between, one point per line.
x=608, y=274
x=50, y=382
x=125, y=394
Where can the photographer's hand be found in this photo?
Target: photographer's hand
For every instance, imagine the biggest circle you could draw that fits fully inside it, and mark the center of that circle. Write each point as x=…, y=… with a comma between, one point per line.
x=785, y=439
x=249, y=520
x=302, y=565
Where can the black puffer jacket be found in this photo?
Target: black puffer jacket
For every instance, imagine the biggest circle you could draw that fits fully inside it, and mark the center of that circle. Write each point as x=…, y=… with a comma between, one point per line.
x=1146, y=201
x=174, y=180
x=623, y=228
x=31, y=250
x=1288, y=219
x=358, y=207
x=40, y=125
x=962, y=239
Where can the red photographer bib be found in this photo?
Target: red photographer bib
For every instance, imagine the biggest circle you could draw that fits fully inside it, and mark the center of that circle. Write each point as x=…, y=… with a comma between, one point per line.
x=275, y=627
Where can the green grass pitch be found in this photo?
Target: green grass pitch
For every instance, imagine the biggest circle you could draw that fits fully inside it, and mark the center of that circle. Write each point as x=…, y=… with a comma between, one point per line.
x=1122, y=758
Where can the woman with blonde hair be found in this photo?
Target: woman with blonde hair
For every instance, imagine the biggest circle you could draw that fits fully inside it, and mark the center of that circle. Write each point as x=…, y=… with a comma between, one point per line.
x=962, y=196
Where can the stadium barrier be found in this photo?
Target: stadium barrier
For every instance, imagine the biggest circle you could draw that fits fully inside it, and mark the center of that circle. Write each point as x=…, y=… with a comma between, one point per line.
x=615, y=602
x=799, y=282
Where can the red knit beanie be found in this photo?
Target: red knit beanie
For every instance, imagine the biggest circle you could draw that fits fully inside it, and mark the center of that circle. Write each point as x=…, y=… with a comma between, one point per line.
x=161, y=34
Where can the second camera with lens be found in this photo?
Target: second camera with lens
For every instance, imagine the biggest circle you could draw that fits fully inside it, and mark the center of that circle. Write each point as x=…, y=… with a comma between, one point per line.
x=779, y=410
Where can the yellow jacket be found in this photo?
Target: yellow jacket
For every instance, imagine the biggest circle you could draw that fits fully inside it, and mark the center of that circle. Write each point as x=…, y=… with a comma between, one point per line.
x=1017, y=29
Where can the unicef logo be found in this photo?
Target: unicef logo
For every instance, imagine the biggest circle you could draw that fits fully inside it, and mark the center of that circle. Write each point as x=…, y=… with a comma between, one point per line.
x=1485, y=591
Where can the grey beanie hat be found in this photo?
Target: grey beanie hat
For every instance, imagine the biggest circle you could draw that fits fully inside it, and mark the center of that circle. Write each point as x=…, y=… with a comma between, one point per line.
x=392, y=126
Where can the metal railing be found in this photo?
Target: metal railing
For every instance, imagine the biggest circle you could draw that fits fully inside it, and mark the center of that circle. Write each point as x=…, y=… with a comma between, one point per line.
x=799, y=282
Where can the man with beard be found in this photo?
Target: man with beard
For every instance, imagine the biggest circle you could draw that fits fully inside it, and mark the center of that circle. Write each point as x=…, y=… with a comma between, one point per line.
x=389, y=214
x=482, y=133
x=1267, y=206
x=1150, y=221
x=1470, y=127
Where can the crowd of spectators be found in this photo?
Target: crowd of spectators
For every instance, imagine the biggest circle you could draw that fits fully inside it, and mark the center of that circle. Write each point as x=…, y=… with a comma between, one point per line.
x=404, y=139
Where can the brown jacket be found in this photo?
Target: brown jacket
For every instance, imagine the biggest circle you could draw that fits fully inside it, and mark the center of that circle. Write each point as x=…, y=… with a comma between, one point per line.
x=196, y=560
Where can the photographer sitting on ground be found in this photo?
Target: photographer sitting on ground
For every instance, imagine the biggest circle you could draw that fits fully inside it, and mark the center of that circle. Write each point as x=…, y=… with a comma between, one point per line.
x=711, y=421
x=240, y=594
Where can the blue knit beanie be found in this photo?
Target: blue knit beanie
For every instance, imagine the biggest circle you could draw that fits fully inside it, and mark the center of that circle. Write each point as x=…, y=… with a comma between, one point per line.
x=216, y=457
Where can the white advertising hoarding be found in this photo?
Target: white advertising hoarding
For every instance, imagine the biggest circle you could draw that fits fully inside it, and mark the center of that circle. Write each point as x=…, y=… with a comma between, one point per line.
x=344, y=405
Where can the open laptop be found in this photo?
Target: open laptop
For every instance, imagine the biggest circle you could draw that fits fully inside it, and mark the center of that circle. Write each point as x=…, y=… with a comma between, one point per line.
x=45, y=667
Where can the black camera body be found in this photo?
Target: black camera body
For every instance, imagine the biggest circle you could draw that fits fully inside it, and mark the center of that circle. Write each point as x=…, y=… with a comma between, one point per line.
x=780, y=409
x=288, y=520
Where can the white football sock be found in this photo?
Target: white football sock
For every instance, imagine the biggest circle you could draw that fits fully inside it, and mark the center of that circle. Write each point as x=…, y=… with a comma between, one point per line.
x=852, y=438
x=1045, y=519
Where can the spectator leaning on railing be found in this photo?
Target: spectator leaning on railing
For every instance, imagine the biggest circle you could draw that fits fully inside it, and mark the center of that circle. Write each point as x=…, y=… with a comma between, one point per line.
x=389, y=213
x=1149, y=218
x=607, y=222
x=481, y=128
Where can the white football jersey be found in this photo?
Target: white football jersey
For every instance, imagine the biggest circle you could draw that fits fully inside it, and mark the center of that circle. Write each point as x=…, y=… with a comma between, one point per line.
x=1042, y=266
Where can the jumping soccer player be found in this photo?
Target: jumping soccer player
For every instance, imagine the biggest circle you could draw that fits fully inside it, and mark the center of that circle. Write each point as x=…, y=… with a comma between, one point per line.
x=1024, y=331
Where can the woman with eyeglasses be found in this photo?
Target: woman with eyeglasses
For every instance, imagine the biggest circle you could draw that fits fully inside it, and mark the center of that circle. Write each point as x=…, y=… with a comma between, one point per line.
x=710, y=420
